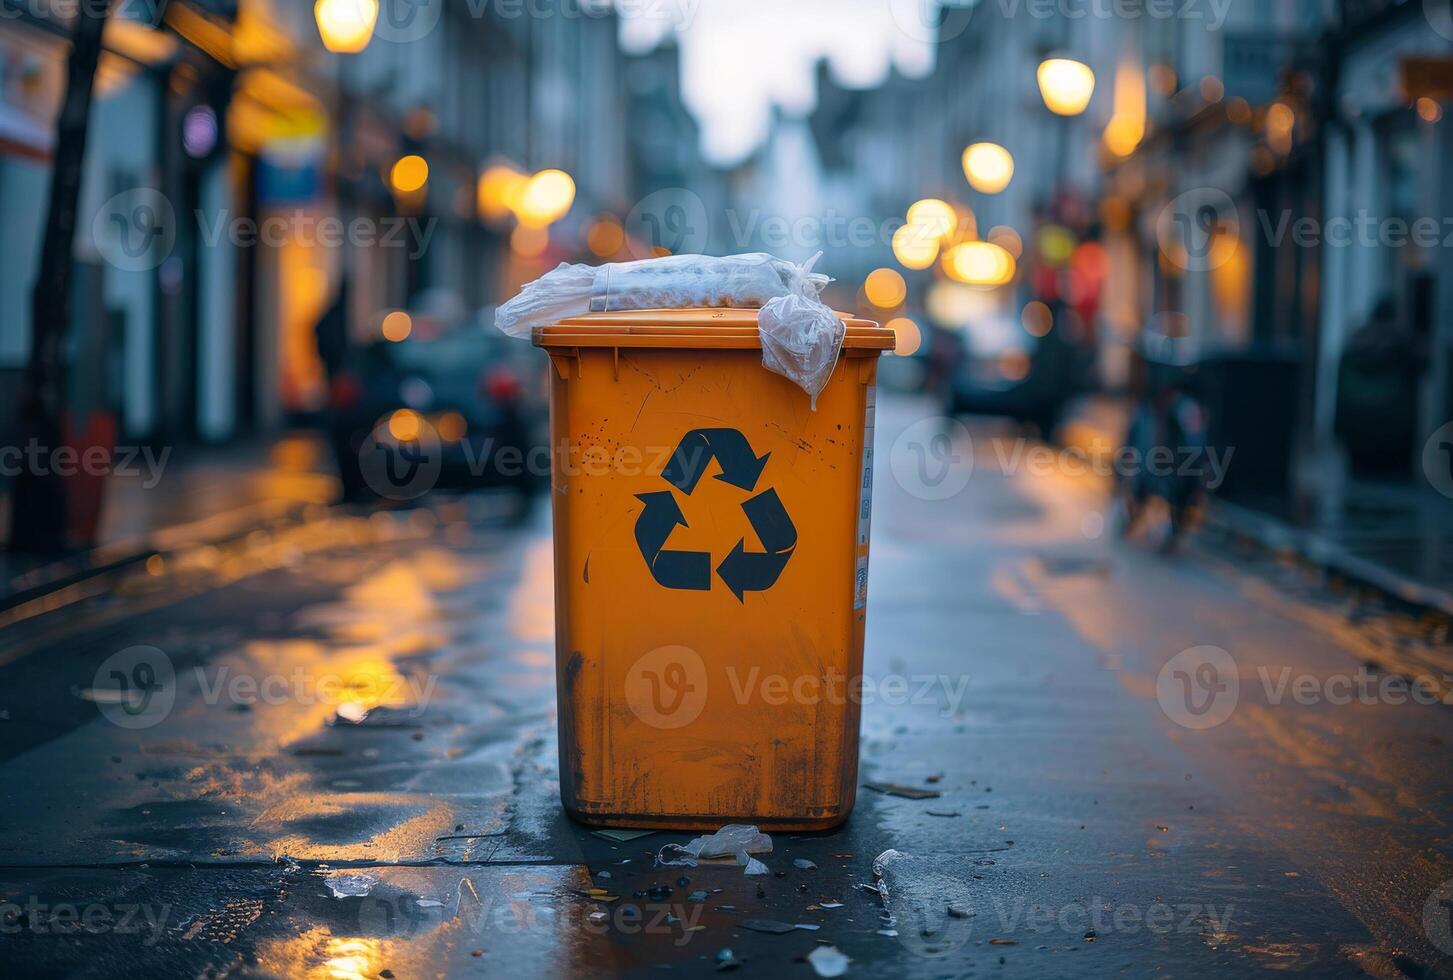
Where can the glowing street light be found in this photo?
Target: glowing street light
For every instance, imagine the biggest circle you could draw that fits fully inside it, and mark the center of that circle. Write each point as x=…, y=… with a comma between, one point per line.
x=346, y=26
x=405, y=425
x=605, y=236
x=982, y=264
x=499, y=190
x=1066, y=85
x=885, y=289
x=907, y=338
x=409, y=174
x=1126, y=128
x=528, y=242
x=915, y=246
x=934, y=216
x=989, y=167
x=545, y=199
x=397, y=326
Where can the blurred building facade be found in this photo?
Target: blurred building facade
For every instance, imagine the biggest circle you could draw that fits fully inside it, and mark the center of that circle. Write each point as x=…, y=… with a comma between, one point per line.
x=238, y=182
x=1251, y=172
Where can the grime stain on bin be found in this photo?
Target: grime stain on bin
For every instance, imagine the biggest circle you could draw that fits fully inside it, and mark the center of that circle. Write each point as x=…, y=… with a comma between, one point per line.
x=572, y=669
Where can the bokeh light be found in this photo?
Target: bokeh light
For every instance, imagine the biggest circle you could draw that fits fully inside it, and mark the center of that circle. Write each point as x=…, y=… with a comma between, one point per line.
x=409, y=174
x=982, y=264
x=528, y=242
x=345, y=26
x=907, y=337
x=989, y=167
x=885, y=288
x=405, y=425
x=915, y=246
x=1037, y=318
x=605, y=236
x=397, y=326
x=1066, y=85
x=499, y=190
x=939, y=217
x=546, y=198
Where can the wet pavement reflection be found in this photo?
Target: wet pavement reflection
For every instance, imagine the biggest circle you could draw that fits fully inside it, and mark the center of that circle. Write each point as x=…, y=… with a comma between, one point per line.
x=357, y=774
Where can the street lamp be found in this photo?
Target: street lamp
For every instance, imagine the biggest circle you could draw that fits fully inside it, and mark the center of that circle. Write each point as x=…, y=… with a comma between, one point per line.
x=937, y=218
x=885, y=289
x=1066, y=85
x=545, y=199
x=981, y=264
x=346, y=26
x=989, y=167
x=916, y=246
x=499, y=190
x=409, y=174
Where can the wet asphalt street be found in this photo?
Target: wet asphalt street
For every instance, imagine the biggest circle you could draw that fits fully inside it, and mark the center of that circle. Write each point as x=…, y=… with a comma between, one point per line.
x=1194, y=765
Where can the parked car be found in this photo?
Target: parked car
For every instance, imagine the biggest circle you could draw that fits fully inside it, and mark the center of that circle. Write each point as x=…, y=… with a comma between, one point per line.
x=1006, y=372
x=453, y=407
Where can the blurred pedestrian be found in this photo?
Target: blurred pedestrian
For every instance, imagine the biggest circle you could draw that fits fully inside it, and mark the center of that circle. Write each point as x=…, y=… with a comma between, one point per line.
x=331, y=333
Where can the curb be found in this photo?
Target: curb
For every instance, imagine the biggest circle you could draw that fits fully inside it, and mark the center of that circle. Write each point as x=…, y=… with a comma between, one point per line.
x=1274, y=535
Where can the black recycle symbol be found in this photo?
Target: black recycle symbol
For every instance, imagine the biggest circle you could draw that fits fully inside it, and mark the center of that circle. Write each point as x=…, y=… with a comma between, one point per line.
x=741, y=570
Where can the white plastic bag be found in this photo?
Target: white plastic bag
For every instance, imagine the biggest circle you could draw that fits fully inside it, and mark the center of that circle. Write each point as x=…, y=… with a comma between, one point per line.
x=735, y=840
x=676, y=282
x=801, y=337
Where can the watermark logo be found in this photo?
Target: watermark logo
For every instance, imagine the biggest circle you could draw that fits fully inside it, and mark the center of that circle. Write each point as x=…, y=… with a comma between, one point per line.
x=933, y=458
x=672, y=219
x=1438, y=459
x=1200, y=230
x=135, y=688
x=401, y=466
x=1438, y=917
x=934, y=934
x=404, y=21
x=1198, y=688
x=666, y=688
x=136, y=230
x=932, y=21
x=1439, y=15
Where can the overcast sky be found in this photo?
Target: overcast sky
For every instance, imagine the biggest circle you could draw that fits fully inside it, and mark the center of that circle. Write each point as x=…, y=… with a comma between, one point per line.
x=739, y=57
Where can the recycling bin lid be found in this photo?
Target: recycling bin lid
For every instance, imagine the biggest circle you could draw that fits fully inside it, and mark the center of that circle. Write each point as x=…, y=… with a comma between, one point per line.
x=719, y=329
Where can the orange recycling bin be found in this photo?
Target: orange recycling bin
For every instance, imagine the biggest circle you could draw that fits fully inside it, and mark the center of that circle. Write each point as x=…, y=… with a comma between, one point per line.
x=711, y=562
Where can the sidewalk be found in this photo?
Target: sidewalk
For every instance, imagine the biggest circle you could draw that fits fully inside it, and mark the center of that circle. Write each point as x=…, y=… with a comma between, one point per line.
x=1396, y=538
x=199, y=495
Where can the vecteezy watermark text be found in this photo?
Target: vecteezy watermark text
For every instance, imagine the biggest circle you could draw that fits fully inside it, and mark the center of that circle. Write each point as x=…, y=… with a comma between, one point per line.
x=302, y=227
x=1200, y=688
x=1212, y=12
x=1208, y=463
x=1100, y=916
x=136, y=688
x=136, y=230
x=70, y=919
x=667, y=688
x=1363, y=229
x=67, y=461
x=490, y=911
